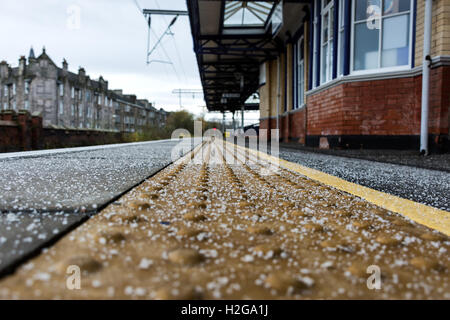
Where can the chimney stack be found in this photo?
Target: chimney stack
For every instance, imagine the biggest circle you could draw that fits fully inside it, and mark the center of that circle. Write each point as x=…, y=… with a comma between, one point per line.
x=4, y=68
x=22, y=64
x=82, y=74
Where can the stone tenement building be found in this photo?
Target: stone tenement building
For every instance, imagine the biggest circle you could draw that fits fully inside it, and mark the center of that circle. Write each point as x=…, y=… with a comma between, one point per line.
x=68, y=100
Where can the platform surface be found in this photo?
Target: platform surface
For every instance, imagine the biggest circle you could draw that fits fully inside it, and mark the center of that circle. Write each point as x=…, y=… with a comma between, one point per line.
x=44, y=193
x=223, y=224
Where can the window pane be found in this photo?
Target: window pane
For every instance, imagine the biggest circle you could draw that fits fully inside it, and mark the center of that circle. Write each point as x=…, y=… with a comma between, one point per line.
x=302, y=50
x=325, y=28
x=331, y=22
x=395, y=49
x=324, y=63
x=362, y=6
x=341, y=54
x=366, y=47
x=396, y=6
x=330, y=61
x=300, y=84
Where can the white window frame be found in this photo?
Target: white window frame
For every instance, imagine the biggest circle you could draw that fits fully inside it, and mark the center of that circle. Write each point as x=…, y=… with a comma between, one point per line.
x=26, y=105
x=340, y=38
x=327, y=9
x=380, y=35
x=314, y=56
x=61, y=107
x=73, y=93
x=61, y=89
x=300, y=99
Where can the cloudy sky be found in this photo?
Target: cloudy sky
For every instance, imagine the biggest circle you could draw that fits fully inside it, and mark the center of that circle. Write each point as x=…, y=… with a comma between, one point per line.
x=108, y=38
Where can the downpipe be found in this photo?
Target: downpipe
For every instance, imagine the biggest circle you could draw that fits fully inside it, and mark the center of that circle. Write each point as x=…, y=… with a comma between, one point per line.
x=278, y=95
x=426, y=66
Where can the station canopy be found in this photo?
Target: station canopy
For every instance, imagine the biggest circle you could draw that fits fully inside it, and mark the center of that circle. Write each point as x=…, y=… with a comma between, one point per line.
x=231, y=40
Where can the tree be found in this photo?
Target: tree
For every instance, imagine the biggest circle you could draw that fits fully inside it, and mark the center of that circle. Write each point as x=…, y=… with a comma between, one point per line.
x=180, y=120
x=206, y=125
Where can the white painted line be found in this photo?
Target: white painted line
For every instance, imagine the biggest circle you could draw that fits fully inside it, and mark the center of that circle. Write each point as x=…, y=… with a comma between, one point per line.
x=38, y=153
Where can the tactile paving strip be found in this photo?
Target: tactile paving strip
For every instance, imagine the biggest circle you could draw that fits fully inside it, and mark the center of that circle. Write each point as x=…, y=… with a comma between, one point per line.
x=219, y=224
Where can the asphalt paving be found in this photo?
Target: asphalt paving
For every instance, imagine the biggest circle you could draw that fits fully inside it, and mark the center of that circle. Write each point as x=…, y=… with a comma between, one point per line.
x=79, y=180
x=45, y=194
x=222, y=225
x=430, y=187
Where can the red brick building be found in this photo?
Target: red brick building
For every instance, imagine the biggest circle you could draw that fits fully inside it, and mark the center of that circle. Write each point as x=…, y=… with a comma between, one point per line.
x=334, y=73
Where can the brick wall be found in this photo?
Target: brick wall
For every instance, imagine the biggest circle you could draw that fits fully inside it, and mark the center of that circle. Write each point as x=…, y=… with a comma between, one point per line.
x=377, y=113
x=269, y=124
x=439, y=100
x=285, y=127
x=17, y=131
x=330, y=120
x=21, y=132
x=381, y=107
x=292, y=126
x=297, y=127
x=59, y=138
x=390, y=107
x=9, y=136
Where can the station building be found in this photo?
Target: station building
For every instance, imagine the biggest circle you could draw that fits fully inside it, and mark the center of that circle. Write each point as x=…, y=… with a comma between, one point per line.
x=329, y=73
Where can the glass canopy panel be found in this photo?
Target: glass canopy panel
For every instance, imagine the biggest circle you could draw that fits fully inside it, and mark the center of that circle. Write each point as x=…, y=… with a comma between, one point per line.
x=246, y=13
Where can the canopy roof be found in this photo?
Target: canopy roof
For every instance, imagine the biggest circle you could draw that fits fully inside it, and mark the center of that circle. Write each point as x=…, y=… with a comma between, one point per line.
x=246, y=13
x=232, y=39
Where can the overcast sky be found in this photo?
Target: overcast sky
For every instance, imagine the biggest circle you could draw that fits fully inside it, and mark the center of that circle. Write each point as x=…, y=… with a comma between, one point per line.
x=109, y=40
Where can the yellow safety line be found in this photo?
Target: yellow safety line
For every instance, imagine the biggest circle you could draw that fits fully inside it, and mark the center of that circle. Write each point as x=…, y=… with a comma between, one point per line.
x=420, y=213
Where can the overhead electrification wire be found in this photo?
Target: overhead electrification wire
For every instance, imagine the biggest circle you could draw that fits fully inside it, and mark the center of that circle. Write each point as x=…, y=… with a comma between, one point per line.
x=176, y=47
x=162, y=46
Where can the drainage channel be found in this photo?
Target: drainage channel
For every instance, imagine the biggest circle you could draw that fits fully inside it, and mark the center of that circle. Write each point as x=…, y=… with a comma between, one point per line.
x=220, y=224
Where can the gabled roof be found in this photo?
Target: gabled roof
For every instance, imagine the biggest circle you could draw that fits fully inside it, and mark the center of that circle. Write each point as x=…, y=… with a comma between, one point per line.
x=44, y=55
